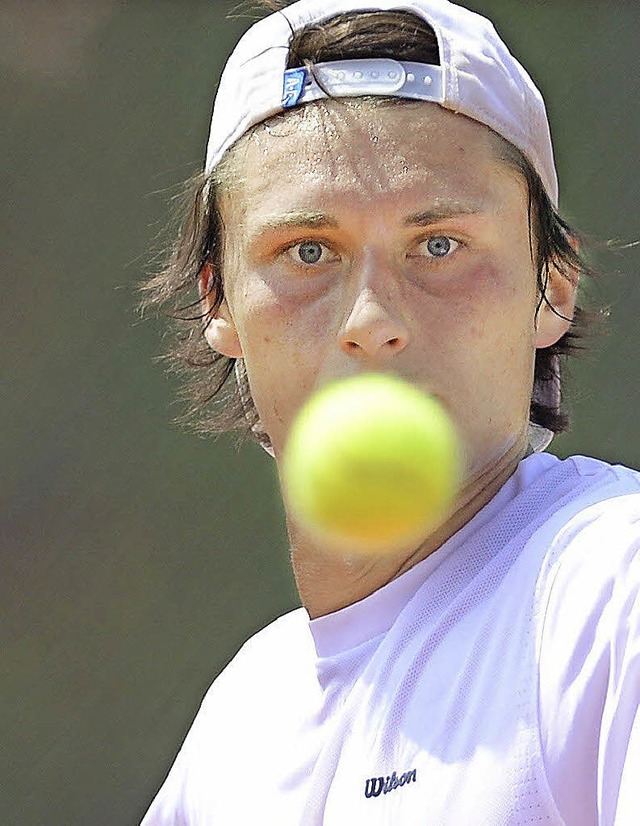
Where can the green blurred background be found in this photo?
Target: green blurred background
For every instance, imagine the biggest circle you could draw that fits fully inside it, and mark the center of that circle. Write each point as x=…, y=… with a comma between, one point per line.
x=136, y=557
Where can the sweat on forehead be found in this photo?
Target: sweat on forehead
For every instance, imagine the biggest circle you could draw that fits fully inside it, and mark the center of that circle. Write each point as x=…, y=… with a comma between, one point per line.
x=294, y=144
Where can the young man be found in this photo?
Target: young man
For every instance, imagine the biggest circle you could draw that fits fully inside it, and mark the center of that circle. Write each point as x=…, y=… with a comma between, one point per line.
x=380, y=194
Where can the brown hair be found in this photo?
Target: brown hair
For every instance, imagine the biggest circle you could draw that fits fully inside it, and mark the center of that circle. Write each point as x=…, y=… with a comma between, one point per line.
x=217, y=395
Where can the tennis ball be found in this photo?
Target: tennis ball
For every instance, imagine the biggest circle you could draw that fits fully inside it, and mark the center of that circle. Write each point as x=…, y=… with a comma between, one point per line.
x=371, y=464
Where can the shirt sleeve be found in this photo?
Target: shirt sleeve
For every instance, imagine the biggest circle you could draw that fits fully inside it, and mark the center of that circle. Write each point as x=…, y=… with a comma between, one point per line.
x=619, y=752
x=589, y=682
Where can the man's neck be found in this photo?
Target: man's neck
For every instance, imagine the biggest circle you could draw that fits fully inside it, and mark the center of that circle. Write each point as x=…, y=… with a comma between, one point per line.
x=328, y=581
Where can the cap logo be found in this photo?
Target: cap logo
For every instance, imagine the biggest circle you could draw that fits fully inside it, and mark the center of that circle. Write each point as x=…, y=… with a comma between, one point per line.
x=293, y=87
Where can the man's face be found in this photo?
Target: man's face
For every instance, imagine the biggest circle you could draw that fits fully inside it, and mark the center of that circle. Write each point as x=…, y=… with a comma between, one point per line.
x=386, y=238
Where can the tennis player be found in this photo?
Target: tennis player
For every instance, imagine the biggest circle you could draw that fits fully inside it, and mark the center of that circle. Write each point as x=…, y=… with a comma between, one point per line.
x=380, y=194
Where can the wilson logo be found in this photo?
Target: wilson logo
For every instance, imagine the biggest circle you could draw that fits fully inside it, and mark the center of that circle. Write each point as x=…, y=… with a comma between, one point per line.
x=375, y=786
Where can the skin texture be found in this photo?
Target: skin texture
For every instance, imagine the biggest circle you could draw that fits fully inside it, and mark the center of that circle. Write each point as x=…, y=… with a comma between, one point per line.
x=367, y=188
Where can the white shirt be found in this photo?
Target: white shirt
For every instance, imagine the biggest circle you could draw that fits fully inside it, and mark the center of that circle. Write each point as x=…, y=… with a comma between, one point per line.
x=496, y=682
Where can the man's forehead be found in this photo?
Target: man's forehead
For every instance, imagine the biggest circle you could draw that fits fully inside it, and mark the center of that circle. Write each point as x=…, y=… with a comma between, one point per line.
x=399, y=123
x=366, y=145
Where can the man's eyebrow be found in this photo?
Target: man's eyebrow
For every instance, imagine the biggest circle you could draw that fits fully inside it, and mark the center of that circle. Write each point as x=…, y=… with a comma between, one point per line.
x=318, y=220
x=442, y=211
x=291, y=220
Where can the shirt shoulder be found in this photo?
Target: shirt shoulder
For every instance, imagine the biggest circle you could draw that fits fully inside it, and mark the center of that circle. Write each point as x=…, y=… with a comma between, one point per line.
x=243, y=706
x=593, y=541
x=268, y=656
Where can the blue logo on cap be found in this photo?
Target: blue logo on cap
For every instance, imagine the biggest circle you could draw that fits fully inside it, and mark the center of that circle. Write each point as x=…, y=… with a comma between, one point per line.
x=293, y=87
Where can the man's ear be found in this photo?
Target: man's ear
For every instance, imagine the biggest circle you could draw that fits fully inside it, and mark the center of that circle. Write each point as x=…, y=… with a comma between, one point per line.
x=557, y=306
x=220, y=330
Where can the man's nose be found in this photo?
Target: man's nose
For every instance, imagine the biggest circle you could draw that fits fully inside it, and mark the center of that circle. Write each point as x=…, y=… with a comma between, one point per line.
x=374, y=329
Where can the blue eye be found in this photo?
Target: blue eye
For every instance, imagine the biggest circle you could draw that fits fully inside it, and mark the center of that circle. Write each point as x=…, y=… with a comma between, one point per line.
x=310, y=252
x=311, y=255
x=440, y=246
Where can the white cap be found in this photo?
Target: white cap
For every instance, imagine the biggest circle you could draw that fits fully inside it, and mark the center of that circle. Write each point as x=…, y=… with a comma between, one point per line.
x=477, y=77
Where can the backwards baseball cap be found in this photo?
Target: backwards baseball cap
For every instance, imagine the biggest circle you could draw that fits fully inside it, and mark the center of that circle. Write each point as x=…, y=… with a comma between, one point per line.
x=477, y=76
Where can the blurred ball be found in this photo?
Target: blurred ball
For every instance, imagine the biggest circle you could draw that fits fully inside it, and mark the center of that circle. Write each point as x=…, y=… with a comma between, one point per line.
x=372, y=464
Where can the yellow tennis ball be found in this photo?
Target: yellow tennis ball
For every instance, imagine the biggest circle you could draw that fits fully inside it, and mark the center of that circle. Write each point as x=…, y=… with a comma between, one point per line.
x=371, y=464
